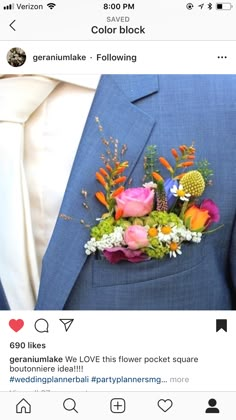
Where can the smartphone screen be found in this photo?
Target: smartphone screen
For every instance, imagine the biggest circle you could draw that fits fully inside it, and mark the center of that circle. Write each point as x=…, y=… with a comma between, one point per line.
x=117, y=214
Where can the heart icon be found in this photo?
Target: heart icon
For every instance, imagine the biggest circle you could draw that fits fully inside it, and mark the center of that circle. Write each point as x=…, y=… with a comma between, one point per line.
x=16, y=324
x=165, y=405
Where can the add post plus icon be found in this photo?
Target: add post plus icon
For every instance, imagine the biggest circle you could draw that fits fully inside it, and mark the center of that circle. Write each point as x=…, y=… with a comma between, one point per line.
x=117, y=405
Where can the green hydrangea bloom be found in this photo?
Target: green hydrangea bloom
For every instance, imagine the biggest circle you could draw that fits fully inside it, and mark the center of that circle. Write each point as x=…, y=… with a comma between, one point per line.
x=123, y=223
x=137, y=221
x=105, y=226
x=163, y=218
x=149, y=221
x=158, y=252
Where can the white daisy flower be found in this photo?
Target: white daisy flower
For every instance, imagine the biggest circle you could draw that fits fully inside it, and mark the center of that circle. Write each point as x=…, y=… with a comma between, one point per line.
x=175, y=249
x=167, y=233
x=180, y=193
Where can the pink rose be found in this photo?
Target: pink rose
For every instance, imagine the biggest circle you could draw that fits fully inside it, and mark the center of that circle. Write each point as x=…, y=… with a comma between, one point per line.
x=135, y=202
x=136, y=237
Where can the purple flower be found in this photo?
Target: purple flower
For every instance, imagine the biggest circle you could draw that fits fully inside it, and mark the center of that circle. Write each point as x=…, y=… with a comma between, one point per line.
x=168, y=184
x=213, y=211
x=116, y=254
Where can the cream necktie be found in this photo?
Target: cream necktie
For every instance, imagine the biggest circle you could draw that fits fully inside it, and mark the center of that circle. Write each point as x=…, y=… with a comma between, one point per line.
x=19, y=98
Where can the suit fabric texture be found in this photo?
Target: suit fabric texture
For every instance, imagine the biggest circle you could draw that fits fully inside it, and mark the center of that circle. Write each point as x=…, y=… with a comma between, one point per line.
x=141, y=110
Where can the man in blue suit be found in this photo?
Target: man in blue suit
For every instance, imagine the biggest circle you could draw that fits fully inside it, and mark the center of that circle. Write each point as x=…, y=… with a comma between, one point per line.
x=140, y=110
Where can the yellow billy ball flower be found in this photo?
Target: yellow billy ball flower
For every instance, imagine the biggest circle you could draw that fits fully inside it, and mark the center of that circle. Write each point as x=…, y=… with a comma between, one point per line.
x=193, y=183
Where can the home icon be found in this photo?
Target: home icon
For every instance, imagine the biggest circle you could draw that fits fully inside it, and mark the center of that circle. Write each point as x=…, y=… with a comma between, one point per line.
x=23, y=407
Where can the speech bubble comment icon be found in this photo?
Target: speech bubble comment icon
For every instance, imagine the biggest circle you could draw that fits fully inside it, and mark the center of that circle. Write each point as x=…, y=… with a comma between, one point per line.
x=41, y=325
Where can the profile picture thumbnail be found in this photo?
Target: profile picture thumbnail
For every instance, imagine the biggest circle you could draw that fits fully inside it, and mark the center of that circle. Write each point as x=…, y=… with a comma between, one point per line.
x=16, y=57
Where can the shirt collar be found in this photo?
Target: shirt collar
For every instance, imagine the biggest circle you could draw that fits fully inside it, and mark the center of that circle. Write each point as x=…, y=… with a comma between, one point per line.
x=87, y=81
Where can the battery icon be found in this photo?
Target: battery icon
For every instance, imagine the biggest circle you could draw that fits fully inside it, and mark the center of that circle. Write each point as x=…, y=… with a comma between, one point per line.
x=224, y=6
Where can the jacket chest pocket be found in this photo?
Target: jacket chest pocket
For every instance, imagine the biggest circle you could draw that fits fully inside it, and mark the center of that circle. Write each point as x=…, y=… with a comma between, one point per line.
x=107, y=274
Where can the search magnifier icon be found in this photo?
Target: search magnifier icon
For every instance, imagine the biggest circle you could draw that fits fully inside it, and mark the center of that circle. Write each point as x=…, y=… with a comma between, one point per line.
x=69, y=405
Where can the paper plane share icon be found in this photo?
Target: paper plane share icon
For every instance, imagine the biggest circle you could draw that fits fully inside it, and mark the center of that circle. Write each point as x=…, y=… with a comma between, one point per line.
x=67, y=323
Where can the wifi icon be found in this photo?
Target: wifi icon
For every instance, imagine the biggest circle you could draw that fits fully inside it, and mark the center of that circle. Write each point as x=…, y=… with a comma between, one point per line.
x=51, y=5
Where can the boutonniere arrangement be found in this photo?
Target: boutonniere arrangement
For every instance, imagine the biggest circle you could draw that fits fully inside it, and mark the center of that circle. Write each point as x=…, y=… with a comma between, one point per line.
x=156, y=219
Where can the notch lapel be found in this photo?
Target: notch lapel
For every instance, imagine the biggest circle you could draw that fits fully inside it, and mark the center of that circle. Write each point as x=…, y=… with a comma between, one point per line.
x=3, y=300
x=120, y=119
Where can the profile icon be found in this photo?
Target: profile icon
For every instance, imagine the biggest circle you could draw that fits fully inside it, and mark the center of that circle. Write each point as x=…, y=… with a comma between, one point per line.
x=212, y=406
x=16, y=57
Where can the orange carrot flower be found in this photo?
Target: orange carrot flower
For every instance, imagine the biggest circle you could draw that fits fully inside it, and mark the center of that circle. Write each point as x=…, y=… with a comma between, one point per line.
x=179, y=176
x=120, y=170
x=119, y=180
x=166, y=164
x=174, y=153
x=119, y=214
x=157, y=177
x=101, y=198
x=182, y=148
x=185, y=164
x=109, y=167
x=100, y=179
x=103, y=172
x=117, y=191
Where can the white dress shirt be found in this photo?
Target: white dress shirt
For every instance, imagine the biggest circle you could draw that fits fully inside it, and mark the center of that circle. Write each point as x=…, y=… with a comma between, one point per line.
x=51, y=138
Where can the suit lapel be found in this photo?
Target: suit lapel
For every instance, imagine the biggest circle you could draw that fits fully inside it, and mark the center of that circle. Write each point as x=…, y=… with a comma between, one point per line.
x=3, y=300
x=123, y=120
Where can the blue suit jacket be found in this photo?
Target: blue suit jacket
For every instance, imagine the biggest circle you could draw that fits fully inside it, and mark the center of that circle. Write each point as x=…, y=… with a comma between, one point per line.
x=140, y=110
